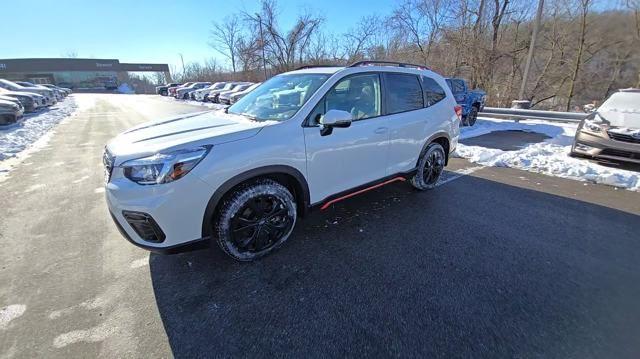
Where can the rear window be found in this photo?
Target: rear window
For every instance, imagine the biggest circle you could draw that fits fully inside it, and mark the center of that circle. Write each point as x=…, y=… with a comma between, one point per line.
x=433, y=92
x=456, y=86
x=404, y=93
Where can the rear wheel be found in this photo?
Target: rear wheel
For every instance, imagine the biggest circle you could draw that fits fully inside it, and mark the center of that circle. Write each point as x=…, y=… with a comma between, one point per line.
x=255, y=220
x=430, y=168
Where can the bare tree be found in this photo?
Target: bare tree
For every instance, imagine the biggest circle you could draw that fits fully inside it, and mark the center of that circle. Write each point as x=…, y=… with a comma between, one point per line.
x=358, y=39
x=71, y=54
x=225, y=37
x=584, y=6
x=284, y=48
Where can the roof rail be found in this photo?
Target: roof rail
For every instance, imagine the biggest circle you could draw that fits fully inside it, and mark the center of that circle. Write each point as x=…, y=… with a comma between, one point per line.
x=312, y=66
x=387, y=63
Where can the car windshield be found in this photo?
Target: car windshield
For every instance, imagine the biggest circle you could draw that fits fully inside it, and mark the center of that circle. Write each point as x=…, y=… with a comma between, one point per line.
x=279, y=98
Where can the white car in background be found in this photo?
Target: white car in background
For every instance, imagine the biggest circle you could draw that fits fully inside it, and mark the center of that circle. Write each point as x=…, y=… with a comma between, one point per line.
x=240, y=94
x=203, y=94
x=213, y=94
x=242, y=177
x=225, y=97
x=183, y=92
x=12, y=86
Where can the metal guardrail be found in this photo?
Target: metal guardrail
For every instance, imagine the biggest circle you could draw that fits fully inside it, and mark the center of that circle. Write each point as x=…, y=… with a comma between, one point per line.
x=517, y=114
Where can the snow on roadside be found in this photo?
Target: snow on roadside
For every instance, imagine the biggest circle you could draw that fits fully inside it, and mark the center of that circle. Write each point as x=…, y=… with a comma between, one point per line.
x=31, y=132
x=550, y=157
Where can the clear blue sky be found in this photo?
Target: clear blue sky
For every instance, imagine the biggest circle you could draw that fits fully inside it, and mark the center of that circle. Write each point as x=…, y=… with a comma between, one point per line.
x=153, y=31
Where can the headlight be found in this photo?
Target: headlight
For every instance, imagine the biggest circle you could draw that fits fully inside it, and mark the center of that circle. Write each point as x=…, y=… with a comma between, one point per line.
x=592, y=125
x=164, y=167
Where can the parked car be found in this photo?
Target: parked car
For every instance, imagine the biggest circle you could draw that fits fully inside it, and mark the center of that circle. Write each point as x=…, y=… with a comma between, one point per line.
x=242, y=177
x=10, y=111
x=238, y=95
x=225, y=97
x=26, y=101
x=472, y=101
x=65, y=91
x=213, y=94
x=12, y=86
x=172, y=90
x=183, y=93
x=203, y=94
x=38, y=100
x=57, y=94
x=612, y=132
x=163, y=90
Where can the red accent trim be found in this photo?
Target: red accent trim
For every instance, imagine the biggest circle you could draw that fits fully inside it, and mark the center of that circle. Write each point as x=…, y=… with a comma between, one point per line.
x=395, y=179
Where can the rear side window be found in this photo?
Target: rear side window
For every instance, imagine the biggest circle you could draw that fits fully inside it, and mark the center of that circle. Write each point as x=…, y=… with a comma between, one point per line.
x=432, y=91
x=457, y=86
x=404, y=93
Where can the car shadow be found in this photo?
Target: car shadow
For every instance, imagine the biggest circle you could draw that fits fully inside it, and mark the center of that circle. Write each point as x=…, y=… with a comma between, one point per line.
x=474, y=268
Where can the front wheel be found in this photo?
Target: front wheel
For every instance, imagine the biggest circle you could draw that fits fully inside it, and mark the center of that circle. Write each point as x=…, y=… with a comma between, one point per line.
x=472, y=116
x=430, y=168
x=255, y=220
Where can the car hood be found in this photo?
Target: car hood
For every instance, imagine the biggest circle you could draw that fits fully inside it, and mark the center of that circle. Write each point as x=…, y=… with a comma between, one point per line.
x=621, y=118
x=211, y=127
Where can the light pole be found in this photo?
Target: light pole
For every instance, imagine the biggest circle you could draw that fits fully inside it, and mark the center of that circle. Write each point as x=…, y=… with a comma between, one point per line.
x=182, y=60
x=264, y=61
x=534, y=36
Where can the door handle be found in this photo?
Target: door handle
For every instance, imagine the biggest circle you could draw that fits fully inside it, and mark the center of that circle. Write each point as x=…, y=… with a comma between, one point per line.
x=381, y=130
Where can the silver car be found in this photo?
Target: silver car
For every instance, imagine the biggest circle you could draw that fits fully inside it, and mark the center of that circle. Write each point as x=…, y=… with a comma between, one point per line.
x=613, y=131
x=10, y=111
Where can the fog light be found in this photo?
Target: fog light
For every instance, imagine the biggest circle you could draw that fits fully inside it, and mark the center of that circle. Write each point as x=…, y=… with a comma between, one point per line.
x=144, y=225
x=584, y=148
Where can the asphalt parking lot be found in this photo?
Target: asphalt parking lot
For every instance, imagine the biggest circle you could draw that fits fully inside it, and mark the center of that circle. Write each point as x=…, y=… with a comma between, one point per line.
x=495, y=262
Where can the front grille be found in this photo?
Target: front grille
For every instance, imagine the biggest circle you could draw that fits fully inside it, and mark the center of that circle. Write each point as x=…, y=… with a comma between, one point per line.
x=145, y=226
x=620, y=153
x=623, y=137
x=107, y=161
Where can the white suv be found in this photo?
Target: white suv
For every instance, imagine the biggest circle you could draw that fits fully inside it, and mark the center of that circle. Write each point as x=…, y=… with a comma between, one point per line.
x=303, y=139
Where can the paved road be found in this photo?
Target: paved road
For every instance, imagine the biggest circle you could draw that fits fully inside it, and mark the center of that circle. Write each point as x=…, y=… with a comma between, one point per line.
x=494, y=263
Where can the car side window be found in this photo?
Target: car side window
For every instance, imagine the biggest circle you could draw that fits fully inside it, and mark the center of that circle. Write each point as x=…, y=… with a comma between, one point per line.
x=404, y=93
x=433, y=92
x=358, y=95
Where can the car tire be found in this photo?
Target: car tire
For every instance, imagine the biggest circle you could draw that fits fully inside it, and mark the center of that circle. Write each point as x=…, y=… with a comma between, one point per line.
x=471, y=117
x=185, y=96
x=255, y=219
x=430, y=167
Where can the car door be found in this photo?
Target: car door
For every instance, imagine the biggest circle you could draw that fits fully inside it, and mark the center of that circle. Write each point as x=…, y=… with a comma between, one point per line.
x=353, y=156
x=413, y=117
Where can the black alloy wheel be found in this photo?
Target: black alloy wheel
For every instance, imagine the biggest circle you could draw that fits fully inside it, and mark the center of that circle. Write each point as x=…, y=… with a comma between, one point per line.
x=255, y=219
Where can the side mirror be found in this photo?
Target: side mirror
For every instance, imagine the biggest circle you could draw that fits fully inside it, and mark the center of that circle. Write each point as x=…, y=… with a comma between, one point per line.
x=334, y=118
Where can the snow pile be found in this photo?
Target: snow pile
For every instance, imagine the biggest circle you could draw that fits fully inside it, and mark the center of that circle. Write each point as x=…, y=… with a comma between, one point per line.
x=125, y=88
x=550, y=157
x=17, y=137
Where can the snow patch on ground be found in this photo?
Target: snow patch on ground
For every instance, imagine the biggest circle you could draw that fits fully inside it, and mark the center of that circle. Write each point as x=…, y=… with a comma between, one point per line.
x=550, y=157
x=31, y=133
x=11, y=312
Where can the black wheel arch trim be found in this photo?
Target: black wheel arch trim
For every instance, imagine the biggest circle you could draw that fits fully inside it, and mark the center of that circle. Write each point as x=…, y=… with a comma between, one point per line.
x=272, y=170
x=430, y=141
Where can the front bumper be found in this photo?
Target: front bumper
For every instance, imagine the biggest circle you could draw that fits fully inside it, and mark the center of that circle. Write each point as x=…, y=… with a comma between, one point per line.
x=177, y=208
x=601, y=146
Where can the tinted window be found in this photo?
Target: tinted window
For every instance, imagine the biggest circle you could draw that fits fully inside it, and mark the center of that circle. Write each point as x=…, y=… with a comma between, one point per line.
x=432, y=91
x=456, y=86
x=404, y=93
x=358, y=95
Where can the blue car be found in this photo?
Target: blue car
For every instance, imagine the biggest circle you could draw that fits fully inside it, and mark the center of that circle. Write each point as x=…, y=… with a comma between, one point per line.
x=472, y=101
